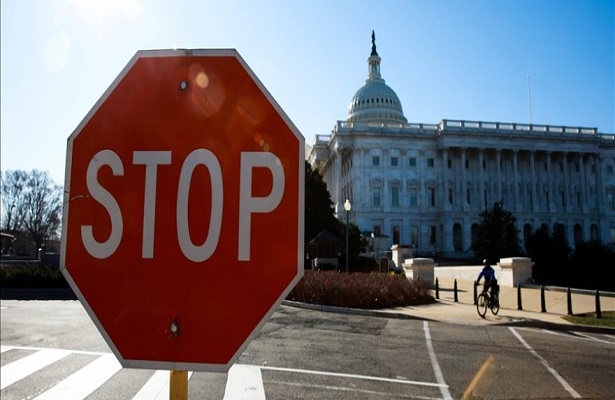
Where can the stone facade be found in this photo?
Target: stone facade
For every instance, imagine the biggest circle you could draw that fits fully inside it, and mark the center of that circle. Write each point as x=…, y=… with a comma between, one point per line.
x=424, y=185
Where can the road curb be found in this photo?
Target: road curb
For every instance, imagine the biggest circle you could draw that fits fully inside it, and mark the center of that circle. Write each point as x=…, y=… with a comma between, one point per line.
x=37, y=294
x=351, y=311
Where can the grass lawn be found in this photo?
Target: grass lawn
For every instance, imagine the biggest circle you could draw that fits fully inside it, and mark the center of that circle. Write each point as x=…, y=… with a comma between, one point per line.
x=607, y=320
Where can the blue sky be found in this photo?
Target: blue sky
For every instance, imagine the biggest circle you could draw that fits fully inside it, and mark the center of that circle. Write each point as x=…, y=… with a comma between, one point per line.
x=445, y=60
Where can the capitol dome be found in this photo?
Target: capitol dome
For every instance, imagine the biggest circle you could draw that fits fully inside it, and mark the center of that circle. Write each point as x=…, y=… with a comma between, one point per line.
x=375, y=101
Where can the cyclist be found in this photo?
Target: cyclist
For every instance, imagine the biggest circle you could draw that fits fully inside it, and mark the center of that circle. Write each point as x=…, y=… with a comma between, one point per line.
x=491, y=283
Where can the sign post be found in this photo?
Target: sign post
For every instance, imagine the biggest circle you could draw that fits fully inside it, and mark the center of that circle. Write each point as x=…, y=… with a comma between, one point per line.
x=178, y=387
x=183, y=210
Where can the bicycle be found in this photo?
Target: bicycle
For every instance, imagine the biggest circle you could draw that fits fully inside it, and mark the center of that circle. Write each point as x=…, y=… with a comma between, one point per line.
x=484, y=302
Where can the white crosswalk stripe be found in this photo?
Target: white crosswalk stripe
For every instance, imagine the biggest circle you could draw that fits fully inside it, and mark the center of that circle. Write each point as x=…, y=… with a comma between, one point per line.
x=27, y=365
x=244, y=381
x=85, y=381
x=157, y=387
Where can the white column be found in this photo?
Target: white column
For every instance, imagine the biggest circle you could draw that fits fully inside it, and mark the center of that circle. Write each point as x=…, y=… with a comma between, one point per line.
x=464, y=202
x=481, y=182
x=422, y=194
x=599, y=188
x=550, y=182
x=386, y=184
x=498, y=175
x=533, y=171
x=515, y=157
x=338, y=182
x=367, y=198
x=583, y=185
x=567, y=186
x=444, y=197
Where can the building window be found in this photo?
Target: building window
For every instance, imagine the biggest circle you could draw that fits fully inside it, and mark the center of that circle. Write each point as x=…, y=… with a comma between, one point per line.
x=394, y=161
x=412, y=162
x=610, y=199
x=430, y=162
x=579, y=199
x=529, y=195
x=609, y=169
x=395, y=196
x=432, y=197
x=396, y=235
x=449, y=162
x=467, y=164
x=377, y=230
x=432, y=235
x=413, y=197
x=414, y=236
x=450, y=196
x=469, y=196
x=375, y=161
x=376, y=196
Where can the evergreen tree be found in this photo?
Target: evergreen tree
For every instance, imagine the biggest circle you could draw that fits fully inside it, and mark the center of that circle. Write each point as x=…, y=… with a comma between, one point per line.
x=497, y=235
x=550, y=254
x=537, y=247
x=320, y=214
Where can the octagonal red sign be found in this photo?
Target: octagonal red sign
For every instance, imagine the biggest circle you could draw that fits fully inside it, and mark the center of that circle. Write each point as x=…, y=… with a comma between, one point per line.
x=183, y=210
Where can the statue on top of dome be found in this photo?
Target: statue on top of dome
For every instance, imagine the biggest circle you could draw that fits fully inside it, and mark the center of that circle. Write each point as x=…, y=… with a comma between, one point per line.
x=374, y=52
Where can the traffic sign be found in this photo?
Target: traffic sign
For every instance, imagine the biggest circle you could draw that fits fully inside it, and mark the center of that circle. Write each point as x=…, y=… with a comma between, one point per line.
x=183, y=210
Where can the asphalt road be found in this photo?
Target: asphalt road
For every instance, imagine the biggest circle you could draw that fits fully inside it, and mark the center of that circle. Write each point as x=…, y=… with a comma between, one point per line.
x=51, y=349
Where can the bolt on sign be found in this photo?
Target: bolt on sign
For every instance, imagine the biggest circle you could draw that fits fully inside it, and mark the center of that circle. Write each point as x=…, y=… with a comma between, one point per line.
x=183, y=210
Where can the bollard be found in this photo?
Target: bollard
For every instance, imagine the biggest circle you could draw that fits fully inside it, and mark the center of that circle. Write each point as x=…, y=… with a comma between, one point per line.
x=475, y=293
x=598, y=311
x=543, y=307
x=519, y=305
x=569, y=301
x=437, y=289
x=456, y=299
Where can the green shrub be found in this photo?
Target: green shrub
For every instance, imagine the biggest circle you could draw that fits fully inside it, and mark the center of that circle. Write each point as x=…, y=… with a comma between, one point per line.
x=26, y=276
x=360, y=290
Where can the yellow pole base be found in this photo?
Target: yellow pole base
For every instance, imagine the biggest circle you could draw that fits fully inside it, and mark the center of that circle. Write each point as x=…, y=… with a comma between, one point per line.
x=179, y=385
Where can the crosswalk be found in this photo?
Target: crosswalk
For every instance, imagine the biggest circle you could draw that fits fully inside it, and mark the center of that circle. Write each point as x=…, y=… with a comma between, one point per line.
x=23, y=363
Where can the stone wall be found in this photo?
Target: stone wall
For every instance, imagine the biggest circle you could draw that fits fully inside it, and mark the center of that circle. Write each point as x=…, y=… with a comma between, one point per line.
x=509, y=271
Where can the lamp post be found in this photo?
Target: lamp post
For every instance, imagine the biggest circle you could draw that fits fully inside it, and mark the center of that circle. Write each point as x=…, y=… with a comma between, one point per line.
x=347, y=207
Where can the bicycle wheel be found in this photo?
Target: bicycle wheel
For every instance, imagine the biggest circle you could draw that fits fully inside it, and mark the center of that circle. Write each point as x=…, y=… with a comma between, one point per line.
x=495, y=304
x=481, y=305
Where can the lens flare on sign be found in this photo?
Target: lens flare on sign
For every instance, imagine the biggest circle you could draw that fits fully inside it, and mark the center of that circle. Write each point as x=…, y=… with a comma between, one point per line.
x=202, y=80
x=261, y=141
x=207, y=93
x=251, y=110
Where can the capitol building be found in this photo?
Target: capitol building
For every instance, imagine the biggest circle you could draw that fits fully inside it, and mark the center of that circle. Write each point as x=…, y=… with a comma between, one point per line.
x=424, y=184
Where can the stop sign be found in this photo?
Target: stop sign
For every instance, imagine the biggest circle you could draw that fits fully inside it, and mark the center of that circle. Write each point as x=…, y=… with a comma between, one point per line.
x=183, y=210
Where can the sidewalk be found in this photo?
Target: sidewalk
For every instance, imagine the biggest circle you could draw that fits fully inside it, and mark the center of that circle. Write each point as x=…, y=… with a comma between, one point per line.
x=463, y=310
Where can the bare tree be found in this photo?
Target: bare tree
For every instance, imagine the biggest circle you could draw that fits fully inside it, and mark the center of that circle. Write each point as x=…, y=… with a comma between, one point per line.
x=13, y=203
x=31, y=204
x=43, y=200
